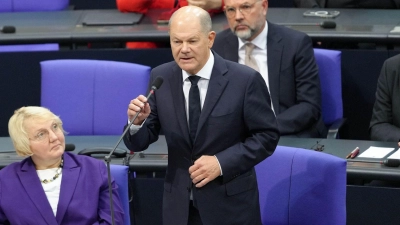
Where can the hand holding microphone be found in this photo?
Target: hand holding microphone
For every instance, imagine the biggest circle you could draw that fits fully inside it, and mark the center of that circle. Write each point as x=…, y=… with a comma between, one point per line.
x=139, y=106
x=135, y=114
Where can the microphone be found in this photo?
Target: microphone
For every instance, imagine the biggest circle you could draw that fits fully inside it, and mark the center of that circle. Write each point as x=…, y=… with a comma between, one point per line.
x=324, y=24
x=386, y=162
x=69, y=147
x=155, y=85
x=7, y=29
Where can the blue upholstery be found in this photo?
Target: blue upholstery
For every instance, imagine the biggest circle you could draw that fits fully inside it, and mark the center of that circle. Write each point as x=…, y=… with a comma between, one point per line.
x=92, y=96
x=299, y=186
x=120, y=175
x=32, y=5
x=330, y=74
x=29, y=48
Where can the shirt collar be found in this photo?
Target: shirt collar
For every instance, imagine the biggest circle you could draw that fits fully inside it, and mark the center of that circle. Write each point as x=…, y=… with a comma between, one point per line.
x=260, y=41
x=205, y=72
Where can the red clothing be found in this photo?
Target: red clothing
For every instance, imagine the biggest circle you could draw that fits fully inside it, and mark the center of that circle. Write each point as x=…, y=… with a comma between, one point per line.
x=142, y=6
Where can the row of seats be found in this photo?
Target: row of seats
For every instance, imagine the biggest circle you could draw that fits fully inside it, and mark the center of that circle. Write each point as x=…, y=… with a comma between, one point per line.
x=102, y=90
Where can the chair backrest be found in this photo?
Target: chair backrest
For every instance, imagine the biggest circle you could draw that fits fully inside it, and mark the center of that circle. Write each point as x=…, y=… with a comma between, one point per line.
x=29, y=47
x=92, y=96
x=32, y=5
x=299, y=186
x=120, y=175
x=330, y=74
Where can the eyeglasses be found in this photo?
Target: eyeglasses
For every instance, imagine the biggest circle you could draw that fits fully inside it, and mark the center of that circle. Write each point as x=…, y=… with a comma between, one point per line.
x=44, y=134
x=244, y=9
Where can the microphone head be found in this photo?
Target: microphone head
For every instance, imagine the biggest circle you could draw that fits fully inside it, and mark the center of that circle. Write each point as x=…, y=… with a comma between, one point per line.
x=69, y=147
x=328, y=24
x=157, y=83
x=391, y=162
x=8, y=29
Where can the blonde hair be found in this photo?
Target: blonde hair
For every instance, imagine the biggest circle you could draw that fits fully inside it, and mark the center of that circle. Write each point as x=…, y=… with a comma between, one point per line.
x=17, y=131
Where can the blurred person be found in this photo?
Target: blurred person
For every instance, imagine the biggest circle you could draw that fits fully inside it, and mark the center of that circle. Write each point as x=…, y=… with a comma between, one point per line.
x=51, y=186
x=385, y=120
x=218, y=124
x=285, y=59
x=142, y=6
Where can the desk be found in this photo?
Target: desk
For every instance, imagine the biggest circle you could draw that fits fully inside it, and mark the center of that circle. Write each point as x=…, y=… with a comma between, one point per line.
x=357, y=25
x=365, y=205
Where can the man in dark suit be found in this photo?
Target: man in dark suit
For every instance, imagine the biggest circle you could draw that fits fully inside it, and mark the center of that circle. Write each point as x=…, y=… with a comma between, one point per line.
x=285, y=59
x=385, y=121
x=210, y=176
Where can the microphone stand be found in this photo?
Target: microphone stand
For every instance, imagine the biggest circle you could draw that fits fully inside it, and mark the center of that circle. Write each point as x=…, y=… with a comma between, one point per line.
x=107, y=158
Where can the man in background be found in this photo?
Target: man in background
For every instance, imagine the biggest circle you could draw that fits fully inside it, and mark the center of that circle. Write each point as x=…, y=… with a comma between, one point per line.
x=285, y=59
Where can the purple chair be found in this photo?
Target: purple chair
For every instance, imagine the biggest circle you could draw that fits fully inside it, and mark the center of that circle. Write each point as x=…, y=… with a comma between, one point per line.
x=299, y=186
x=92, y=96
x=120, y=175
x=330, y=74
x=32, y=5
x=29, y=48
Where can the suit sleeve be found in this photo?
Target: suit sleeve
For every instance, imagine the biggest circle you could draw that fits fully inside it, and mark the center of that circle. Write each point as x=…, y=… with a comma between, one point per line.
x=3, y=218
x=307, y=109
x=104, y=212
x=261, y=128
x=381, y=126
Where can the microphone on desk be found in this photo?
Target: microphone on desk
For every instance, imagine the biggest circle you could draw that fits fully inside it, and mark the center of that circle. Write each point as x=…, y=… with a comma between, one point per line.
x=155, y=85
x=7, y=29
x=386, y=162
x=324, y=24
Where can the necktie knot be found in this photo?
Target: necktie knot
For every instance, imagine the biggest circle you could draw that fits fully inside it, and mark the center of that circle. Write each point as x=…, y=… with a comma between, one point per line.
x=249, y=48
x=194, y=79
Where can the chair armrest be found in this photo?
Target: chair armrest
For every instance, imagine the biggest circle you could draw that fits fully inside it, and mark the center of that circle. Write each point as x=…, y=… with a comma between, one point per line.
x=334, y=128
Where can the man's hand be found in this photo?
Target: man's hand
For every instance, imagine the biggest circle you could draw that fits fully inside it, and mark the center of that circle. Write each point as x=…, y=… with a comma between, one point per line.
x=204, y=170
x=206, y=4
x=135, y=105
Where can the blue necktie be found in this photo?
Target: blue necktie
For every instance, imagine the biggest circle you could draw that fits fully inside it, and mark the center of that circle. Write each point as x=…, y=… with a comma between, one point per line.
x=194, y=106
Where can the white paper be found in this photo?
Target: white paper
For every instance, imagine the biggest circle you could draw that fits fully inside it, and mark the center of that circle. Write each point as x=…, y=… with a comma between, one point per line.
x=395, y=155
x=396, y=29
x=376, y=152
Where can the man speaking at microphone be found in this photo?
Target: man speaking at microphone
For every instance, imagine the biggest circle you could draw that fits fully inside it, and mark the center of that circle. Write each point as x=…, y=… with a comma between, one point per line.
x=218, y=124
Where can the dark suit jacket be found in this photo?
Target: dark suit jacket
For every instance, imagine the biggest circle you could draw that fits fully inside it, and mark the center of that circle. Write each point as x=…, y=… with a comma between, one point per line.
x=293, y=78
x=385, y=121
x=236, y=124
x=84, y=197
x=369, y=4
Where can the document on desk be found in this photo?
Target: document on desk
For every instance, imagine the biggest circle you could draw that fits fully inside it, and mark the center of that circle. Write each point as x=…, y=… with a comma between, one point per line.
x=396, y=29
x=375, y=152
x=395, y=155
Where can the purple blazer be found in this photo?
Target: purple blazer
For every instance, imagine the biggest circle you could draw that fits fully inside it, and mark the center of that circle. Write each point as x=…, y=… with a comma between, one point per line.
x=84, y=197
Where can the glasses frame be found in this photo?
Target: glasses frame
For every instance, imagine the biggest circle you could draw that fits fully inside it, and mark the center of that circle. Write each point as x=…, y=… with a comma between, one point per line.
x=46, y=136
x=244, y=11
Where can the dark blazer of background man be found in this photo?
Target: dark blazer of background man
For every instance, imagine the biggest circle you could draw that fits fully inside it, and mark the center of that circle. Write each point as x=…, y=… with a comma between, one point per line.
x=385, y=121
x=366, y=4
x=293, y=77
x=236, y=126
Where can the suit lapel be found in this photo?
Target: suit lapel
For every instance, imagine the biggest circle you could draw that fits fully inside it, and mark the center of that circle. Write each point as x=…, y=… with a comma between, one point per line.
x=231, y=48
x=215, y=89
x=178, y=99
x=274, y=56
x=70, y=176
x=31, y=183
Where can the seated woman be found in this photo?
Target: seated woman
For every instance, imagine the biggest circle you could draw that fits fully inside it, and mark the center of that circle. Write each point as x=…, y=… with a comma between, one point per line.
x=52, y=186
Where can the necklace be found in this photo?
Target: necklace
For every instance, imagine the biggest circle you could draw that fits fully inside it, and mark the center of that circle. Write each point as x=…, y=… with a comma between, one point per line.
x=58, y=173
